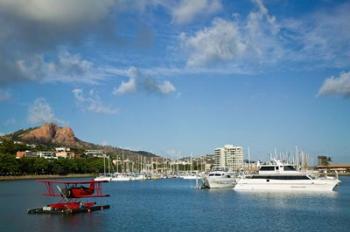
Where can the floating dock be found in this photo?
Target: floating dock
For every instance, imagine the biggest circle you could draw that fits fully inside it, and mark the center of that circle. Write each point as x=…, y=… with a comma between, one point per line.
x=49, y=210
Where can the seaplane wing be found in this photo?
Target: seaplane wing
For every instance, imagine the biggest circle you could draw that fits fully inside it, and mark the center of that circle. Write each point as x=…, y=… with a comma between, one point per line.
x=71, y=182
x=73, y=189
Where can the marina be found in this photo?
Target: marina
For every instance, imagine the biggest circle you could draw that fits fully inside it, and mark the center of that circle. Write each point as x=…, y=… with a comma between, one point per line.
x=175, y=205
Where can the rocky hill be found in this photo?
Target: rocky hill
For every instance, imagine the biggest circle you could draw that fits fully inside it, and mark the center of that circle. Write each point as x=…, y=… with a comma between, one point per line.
x=50, y=134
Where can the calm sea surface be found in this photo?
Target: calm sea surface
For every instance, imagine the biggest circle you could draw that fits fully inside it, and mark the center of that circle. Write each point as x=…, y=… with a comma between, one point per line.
x=175, y=205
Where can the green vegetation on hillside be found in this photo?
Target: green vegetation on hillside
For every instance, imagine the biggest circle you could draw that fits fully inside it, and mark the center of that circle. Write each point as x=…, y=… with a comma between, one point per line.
x=10, y=166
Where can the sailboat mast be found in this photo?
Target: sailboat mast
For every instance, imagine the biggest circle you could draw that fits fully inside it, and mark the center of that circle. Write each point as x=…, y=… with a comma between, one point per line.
x=104, y=164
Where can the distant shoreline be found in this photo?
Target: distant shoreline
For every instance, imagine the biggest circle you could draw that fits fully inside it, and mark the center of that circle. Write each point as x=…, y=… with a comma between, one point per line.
x=37, y=177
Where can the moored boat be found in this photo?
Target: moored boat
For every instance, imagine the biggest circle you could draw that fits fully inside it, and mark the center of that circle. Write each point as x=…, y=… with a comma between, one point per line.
x=219, y=179
x=279, y=176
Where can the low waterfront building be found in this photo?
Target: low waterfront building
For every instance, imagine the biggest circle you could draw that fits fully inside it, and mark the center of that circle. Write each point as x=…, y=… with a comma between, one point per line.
x=341, y=168
x=95, y=153
x=28, y=154
x=46, y=154
x=64, y=152
x=33, y=154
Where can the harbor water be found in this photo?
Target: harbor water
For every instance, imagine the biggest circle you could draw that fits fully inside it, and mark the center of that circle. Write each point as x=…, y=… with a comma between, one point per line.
x=176, y=205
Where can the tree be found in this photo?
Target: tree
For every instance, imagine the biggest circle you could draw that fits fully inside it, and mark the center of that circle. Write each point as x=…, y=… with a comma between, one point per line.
x=8, y=165
x=9, y=147
x=26, y=165
x=40, y=166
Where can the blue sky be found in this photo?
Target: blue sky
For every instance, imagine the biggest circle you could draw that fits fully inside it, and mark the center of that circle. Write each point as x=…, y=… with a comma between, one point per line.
x=181, y=77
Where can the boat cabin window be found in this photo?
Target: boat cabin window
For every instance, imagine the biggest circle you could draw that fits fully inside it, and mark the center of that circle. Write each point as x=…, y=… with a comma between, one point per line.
x=301, y=177
x=267, y=168
x=217, y=174
x=211, y=174
x=289, y=168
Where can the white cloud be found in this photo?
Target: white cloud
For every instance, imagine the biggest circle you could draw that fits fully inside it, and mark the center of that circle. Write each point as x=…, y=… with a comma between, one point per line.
x=185, y=11
x=139, y=80
x=153, y=86
x=254, y=40
x=64, y=12
x=30, y=30
x=92, y=102
x=250, y=43
x=4, y=95
x=67, y=67
x=322, y=38
x=125, y=87
x=166, y=87
x=41, y=112
x=129, y=86
x=220, y=42
x=336, y=85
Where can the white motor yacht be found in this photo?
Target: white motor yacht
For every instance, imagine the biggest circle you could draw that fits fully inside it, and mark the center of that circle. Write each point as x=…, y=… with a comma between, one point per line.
x=278, y=176
x=219, y=179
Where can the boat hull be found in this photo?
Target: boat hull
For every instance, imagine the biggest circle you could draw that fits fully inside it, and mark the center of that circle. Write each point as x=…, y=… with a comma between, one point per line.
x=102, y=178
x=216, y=183
x=116, y=179
x=190, y=177
x=289, y=186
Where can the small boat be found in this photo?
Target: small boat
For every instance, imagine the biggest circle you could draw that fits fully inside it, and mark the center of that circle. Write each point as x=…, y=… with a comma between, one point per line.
x=219, y=179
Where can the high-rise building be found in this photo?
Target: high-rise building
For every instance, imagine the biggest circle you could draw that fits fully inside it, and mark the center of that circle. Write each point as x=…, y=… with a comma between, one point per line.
x=230, y=157
x=220, y=158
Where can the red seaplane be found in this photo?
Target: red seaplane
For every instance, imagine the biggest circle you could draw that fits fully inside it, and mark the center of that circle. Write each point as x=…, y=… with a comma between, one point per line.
x=70, y=193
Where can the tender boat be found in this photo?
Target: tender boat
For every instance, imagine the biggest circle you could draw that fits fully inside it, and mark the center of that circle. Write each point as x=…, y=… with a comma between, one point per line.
x=219, y=179
x=279, y=176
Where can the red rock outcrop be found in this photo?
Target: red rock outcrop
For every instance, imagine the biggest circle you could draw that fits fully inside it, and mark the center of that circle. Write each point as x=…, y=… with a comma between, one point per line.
x=51, y=133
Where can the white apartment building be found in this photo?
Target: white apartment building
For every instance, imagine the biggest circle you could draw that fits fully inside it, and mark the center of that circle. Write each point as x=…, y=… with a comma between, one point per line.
x=230, y=157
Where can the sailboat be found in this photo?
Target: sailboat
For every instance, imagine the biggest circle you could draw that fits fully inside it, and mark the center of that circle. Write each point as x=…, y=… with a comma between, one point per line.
x=192, y=175
x=105, y=176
